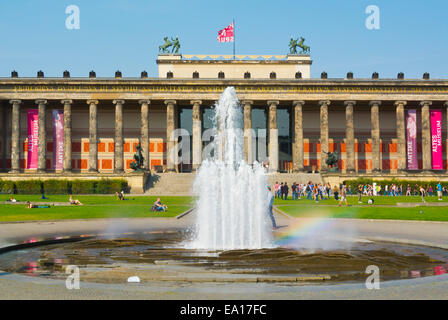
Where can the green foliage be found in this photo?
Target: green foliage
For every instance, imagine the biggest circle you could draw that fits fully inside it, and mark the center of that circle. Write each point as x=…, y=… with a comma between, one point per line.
x=63, y=186
x=7, y=187
x=354, y=183
x=83, y=186
x=54, y=186
x=108, y=186
x=28, y=186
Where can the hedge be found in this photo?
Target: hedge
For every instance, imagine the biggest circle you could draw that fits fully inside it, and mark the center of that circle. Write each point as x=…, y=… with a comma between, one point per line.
x=28, y=186
x=55, y=186
x=354, y=183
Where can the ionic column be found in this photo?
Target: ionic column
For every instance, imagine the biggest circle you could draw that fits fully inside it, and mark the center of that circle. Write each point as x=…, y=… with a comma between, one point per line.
x=118, y=150
x=93, y=135
x=323, y=134
x=375, y=132
x=15, y=136
x=248, y=147
x=42, y=145
x=401, y=135
x=4, y=136
x=170, y=127
x=67, y=135
x=197, y=129
x=426, y=136
x=297, y=146
x=273, y=136
x=144, y=140
x=350, y=136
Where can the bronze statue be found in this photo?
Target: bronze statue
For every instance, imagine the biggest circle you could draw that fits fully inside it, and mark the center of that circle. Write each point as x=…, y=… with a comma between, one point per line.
x=295, y=43
x=174, y=44
x=305, y=49
x=332, y=160
x=164, y=47
x=137, y=164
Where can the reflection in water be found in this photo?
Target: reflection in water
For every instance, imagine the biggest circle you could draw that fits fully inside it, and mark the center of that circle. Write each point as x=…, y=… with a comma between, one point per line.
x=162, y=254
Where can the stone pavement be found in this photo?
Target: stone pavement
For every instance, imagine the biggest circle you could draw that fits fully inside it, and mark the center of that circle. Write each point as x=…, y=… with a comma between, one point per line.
x=13, y=286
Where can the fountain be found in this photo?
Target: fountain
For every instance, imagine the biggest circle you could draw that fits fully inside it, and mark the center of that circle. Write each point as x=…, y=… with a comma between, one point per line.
x=232, y=207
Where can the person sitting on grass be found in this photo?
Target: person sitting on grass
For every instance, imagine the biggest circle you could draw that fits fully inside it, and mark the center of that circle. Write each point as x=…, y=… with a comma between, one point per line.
x=29, y=205
x=12, y=200
x=75, y=202
x=158, y=206
x=119, y=195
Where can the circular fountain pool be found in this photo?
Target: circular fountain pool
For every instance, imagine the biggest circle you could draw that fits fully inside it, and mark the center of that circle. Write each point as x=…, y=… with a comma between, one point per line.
x=162, y=256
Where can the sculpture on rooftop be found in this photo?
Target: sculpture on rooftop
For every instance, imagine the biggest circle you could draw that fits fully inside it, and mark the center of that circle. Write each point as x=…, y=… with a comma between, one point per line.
x=295, y=43
x=174, y=44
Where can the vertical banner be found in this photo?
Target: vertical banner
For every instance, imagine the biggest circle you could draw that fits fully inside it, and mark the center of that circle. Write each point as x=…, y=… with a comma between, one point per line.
x=436, y=139
x=411, y=135
x=58, y=139
x=33, y=138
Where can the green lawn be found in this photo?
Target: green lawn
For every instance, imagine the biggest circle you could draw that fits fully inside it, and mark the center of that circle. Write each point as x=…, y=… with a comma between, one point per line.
x=353, y=200
x=371, y=212
x=94, y=207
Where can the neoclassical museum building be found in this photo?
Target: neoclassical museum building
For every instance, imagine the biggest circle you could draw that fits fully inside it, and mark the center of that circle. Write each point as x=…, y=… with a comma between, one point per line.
x=90, y=127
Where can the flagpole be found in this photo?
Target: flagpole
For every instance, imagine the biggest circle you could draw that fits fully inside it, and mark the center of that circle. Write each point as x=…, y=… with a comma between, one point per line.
x=234, y=39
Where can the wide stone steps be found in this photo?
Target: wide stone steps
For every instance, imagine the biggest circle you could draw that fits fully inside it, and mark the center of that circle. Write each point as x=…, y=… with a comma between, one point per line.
x=181, y=184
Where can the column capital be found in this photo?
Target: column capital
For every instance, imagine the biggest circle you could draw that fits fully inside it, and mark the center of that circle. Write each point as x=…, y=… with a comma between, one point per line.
x=271, y=102
x=89, y=102
x=298, y=102
x=324, y=102
x=15, y=101
x=193, y=102
x=144, y=101
x=246, y=102
x=374, y=103
x=400, y=102
x=423, y=103
x=167, y=102
x=41, y=101
x=349, y=103
x=118, y=101
x=67, y=101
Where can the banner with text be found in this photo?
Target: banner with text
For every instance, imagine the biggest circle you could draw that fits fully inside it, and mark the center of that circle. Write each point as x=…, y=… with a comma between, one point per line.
x=58, y=139
x=411, y=143
x=436, y=139
x=33, y=138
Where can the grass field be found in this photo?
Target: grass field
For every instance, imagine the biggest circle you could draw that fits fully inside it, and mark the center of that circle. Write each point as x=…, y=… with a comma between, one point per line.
x=392, y=213
x=107, y=206
x=94, y=207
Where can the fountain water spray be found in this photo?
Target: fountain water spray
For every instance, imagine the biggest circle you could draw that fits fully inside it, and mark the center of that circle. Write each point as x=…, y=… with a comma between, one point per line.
x=232, y=207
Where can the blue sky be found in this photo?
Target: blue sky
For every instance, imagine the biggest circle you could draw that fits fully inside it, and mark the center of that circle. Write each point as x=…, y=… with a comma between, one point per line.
x=125, y=35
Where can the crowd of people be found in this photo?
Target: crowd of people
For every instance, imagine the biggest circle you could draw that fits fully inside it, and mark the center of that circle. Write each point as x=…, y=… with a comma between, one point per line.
x=316, y=191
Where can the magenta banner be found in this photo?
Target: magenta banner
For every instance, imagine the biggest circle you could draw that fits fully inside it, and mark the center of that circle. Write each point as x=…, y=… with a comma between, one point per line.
x=411, y=142
x=436, y=139
x=58, y=139
x=33, y=138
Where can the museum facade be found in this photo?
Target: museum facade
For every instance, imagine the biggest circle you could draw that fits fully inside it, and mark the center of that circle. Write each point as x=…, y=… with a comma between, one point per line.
x=68, y=126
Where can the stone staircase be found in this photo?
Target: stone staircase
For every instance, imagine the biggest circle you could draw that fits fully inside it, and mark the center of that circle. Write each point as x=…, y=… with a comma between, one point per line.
x=170, y=184
x=290, y=178
x=180, y=184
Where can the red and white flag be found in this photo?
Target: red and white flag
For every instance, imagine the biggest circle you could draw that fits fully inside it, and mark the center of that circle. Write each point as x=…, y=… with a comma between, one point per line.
x=226, y=34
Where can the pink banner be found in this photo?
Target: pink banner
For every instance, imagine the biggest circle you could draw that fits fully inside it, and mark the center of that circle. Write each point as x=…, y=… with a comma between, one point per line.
x=436, y=139
x=58, y=139
x=33, y=138
x=411, y=143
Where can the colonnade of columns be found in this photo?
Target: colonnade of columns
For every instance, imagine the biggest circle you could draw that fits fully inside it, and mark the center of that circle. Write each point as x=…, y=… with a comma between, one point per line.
x=273, y=146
